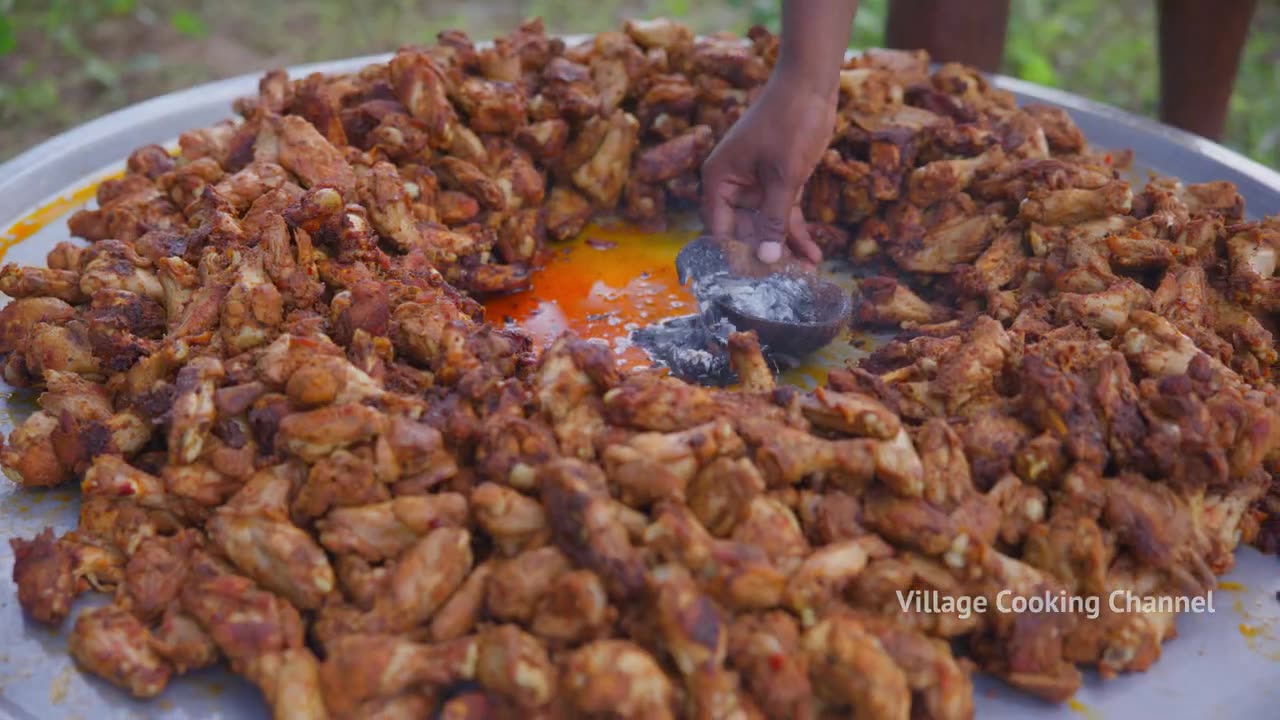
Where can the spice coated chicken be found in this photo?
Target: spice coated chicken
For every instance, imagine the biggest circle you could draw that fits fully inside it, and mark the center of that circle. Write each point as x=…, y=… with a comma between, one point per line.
x=302, y=450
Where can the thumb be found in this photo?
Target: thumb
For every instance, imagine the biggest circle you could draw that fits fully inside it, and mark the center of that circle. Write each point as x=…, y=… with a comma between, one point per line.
x=771, y=222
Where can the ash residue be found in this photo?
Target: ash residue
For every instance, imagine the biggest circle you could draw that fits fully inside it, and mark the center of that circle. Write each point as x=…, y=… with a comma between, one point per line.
x=693, y=350
x=778, y=298
x=696, y=349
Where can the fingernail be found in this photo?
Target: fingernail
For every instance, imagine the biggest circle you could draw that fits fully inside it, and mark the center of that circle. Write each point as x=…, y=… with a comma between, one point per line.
x=770, y=252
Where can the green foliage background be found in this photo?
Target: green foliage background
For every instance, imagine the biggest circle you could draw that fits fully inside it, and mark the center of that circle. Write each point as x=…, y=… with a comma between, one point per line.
x=65, y=61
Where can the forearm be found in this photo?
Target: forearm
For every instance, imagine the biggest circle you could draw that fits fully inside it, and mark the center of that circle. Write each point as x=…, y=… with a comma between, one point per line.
x=815, y=35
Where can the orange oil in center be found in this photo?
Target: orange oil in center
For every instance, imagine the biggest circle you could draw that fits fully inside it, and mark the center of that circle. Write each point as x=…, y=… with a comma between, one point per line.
x=604, y=284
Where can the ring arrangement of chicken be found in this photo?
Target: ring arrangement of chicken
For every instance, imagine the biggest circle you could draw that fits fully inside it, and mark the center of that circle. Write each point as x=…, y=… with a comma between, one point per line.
x=302, y=450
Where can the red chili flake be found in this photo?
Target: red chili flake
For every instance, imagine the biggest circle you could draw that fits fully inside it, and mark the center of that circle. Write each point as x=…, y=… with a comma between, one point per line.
x=776, y=661
x=1107, y=158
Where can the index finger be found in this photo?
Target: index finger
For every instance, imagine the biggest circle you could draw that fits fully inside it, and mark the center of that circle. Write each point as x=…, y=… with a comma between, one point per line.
x=717, y=202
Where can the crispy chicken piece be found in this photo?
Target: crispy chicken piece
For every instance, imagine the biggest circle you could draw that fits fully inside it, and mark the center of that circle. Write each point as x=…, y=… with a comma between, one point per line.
x=193, y=412
x=256, y=535
x=1155, y=525
x=545, y=139
x=49, y=347
x=180, y=641
x=1107, y=311
x=674, y=157
x=941, y=178
x=1073, y=205
x=511, y=449
x=1216, y=198
x=765, y=649
x=389, y=201
x=315, y=434
x=112, y=644
x=490, y=106
x=242, y=188
x=20, y=317
x=515, y=664
x=573, y=608
x=516, y=586
x=344, y=479
x=616, y=61
x=514, y=521
x=85, y=426
x=661, y=33
x=585, y=525
x=822, y=577
x=659, y=404
x=849, y=667
x=290, y=682
x=459, y=615
x=749, y=364
x=940, y=686
x=572, y=377
x=696, y=635
x=788, y=455
x=111, y=477
x=738, y=575
x=1024, y=649
x=603, y=175
x=720, y=494
x=829, y=517
x=1157, y=347
x=850, y=413
x=460, y=175
x=617, y=677
x=359, y=668
x=772, y=526
x=566, y=212
x=653, y=466
x=1252, y=254
x=419, y=83
x=42, y=570
x=569, y=90
x=933, y=239
x=155, y=574
x=360, y=581
x=423, y=578
x=303, y=151
x=885, y=301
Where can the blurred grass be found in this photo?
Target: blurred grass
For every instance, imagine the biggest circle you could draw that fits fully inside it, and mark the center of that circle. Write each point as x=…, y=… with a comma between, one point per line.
x=63, y=62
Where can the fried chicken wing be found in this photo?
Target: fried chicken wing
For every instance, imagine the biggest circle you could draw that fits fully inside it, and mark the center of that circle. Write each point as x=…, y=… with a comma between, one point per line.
x=114, y=645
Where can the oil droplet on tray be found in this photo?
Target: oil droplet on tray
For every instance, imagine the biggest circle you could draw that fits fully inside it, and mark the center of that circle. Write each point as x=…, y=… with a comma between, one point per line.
x=59, y=685
x=1081, y=709
x=34, y=221
x=1259, y=632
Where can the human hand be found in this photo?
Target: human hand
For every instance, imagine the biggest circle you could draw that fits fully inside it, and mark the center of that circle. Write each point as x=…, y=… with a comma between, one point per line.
x=752, y=181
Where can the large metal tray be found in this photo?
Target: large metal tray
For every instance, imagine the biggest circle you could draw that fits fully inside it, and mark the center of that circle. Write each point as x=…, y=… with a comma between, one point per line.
x=1222, y=665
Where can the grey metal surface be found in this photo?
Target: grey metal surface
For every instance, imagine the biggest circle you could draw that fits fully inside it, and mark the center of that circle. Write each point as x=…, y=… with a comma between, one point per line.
x=1222, y=665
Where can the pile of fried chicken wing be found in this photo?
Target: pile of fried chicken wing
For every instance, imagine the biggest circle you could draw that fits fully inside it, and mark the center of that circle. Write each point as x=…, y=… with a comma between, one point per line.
x=303, y=451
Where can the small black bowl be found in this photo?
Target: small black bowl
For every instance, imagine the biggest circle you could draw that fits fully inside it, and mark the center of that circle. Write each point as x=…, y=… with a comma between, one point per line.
x=833, y=307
